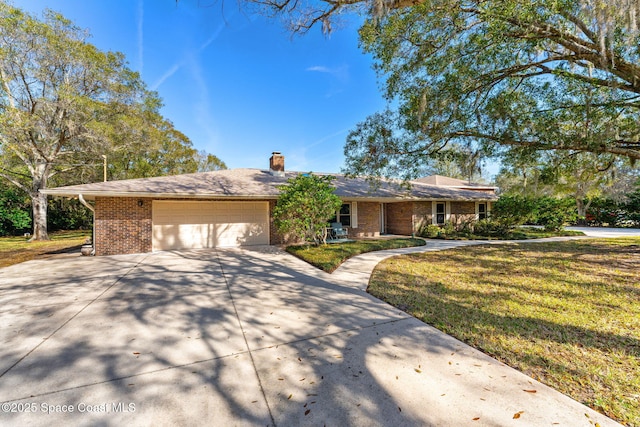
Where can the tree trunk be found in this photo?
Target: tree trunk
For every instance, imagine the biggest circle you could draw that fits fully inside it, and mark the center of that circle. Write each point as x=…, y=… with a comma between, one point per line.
x=39, y=204
x=582, y=211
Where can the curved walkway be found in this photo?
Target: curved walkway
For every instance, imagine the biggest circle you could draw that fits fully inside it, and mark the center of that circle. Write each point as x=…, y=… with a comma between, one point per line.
x=250, y=336
x=356, y=271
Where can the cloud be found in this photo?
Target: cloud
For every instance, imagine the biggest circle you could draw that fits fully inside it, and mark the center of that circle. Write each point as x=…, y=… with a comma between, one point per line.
x=188, y=58
x=327, y=137
x=320, y=69
x=339, y=74
x=170, y=72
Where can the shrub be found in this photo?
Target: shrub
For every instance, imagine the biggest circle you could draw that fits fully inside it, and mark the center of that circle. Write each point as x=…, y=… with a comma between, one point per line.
x=513, y=210
x=430, y=231
x=449, y=228
x=490, y=227
x=15, y=215
x=305, y=205
x=554, y=213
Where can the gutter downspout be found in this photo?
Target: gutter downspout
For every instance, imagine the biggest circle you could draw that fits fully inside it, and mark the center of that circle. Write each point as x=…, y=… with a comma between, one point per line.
x=93, y=211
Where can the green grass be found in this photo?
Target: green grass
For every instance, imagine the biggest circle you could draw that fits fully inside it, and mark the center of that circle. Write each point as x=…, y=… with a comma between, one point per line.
x=329, y=257
x=565, y=313
x=14, y=250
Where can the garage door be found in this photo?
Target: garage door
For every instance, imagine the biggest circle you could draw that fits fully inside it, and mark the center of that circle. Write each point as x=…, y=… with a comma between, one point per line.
x=190, y=225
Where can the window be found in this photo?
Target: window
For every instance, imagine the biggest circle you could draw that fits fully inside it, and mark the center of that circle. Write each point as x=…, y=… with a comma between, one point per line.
x=347, y=215
x=440, y=213
x=481, y=210
x=344, y=215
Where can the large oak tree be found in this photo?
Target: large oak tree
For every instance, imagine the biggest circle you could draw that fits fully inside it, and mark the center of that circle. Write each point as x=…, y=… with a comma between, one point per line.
x=64, y=104
x=560, y=75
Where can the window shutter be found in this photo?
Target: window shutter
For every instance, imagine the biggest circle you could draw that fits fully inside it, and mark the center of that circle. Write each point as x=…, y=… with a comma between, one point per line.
x=354, y=214
x=434, y=213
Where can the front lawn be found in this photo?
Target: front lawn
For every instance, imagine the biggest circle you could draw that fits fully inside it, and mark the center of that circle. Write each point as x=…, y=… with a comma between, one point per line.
x=565, y=313
x=14, y=250
x=329, y=257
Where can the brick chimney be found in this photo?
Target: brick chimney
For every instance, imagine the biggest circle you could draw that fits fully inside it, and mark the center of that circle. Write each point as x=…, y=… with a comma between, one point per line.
x=276, y=164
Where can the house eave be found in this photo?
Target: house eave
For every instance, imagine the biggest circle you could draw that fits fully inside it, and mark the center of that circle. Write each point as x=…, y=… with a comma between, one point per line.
x=89, y=195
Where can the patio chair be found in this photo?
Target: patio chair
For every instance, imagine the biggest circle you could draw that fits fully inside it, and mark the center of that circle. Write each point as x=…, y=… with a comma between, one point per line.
x=337, y=232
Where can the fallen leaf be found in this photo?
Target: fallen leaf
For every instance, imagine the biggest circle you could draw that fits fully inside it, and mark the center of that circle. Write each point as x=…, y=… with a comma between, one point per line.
x=417, y=370
x=476, y=418
x=135, y=352
x=517, y=415
x=290, y=396
x=307, y=411
x=531, y=391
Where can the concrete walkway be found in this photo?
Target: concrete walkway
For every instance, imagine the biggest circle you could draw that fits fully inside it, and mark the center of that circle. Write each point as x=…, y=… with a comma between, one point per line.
x=241, y=337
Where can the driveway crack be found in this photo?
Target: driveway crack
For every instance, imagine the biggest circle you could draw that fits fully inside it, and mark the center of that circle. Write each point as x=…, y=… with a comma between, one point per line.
x=244, y=337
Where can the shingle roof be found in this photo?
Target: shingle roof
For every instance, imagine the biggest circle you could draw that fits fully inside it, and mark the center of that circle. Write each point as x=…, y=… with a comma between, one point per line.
x=260, y=184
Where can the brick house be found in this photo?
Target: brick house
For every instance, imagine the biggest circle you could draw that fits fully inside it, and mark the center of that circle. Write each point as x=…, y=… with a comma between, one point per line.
x=234, y=208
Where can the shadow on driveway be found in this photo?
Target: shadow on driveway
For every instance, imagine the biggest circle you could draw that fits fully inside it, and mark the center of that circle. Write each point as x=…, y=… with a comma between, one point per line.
x=237, y=337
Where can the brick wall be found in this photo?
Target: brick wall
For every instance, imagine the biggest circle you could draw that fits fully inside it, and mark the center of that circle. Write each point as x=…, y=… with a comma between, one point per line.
x=463, y=212
x=463, y=208
x=122, y=227
x=399, y=217
x=368, y=220
x=422, y=215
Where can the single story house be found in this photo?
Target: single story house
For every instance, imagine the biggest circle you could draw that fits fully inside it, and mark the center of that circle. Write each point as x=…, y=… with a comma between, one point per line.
x=234, y=207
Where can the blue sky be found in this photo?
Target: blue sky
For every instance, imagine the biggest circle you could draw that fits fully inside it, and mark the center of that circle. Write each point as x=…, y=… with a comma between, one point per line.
x=238, y=85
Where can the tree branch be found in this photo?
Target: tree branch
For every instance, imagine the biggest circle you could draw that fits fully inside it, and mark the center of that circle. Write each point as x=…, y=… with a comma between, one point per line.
x=13, y=180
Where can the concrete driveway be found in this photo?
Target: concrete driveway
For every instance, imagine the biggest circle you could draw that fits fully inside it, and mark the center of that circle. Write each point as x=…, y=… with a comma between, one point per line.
x=239, y=337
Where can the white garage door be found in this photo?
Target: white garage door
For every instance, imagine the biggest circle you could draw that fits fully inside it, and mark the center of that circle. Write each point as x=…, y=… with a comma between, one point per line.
x=190, y=225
